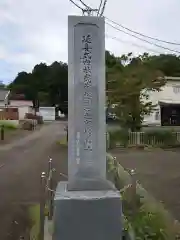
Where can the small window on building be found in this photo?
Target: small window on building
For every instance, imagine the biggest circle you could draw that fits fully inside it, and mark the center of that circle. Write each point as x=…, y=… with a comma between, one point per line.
x=157, y=115
x=176, y=89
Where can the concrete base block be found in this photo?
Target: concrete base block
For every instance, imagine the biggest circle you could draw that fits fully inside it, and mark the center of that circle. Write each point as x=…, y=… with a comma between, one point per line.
x=87, y=215
x=92, y=184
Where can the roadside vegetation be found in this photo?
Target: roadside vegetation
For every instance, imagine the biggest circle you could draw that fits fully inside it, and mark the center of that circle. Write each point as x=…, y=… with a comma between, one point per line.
x=8, y=125
x=145, y=218
x=150, y=138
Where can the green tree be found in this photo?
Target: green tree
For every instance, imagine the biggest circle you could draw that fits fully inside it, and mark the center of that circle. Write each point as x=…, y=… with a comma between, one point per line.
x=58, y=83
x=129, y=90
x=48, y=85
x=168, y=64
x=45, y=85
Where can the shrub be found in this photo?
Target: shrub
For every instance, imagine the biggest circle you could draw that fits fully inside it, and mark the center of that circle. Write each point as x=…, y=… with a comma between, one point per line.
x=149, y=225
x=8, y=125
x=148, y=220
x=120, y=136
x=160, y=137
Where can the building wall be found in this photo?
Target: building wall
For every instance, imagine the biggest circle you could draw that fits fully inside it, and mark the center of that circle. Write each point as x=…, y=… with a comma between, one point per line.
x=2, y=103
x=22, y=111
x=48, y=113
x=23, y=107
x=169, y=93
x=9, y=113
x=21, y=103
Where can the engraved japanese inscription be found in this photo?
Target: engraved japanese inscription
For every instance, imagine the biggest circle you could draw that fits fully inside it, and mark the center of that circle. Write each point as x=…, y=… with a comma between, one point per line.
x=86, y=92
x=86, y=118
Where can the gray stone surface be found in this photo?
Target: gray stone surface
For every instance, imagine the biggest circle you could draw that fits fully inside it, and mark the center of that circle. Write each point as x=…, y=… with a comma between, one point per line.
x=87, y=207
x=48, y=229
x=87, y=215
x=86, y=103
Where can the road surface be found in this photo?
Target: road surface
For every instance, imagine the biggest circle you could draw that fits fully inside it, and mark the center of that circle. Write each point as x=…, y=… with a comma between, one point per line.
x=21, y=164
x=158, y=172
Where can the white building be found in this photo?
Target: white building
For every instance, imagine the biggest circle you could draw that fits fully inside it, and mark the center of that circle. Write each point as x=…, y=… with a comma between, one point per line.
x=16, y=108
x=48, y=113
x=4, y=94
x=23, y=106
x=168, y=104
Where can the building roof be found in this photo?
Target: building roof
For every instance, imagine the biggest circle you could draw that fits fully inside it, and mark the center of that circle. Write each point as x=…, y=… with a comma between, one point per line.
x=15, y=96
x=167, y=78
x=169, y=101
x=3, y=94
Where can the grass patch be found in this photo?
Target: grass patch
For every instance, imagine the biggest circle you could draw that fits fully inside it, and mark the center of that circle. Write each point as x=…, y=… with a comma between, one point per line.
x=62, y=142
x=8, y=125
x=34, y=215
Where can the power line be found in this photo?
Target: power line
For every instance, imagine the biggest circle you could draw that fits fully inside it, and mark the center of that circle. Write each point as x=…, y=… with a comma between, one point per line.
x=83, y=3
x=76, y=5
x=103, y=8
x=89, y=10
x=141, y=34
x=99, y=7
x=144, y=40
x=134, y=44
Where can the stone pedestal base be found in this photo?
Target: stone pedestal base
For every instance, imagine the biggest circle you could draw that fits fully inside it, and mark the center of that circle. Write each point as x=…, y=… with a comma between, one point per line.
x=95, y=184
x=87, y=215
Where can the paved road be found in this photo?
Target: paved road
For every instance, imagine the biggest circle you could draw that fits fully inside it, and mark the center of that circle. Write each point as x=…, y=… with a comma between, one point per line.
x=158, y=171
x=20, y=167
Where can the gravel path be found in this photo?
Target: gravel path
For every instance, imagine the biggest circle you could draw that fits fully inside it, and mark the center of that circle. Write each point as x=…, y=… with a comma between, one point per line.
x=21, y=164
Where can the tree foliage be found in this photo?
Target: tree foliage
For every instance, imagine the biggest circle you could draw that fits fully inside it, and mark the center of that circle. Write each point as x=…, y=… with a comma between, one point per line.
x=45, y=85
x=129, y=87
x=48, y=85
x=167, y=63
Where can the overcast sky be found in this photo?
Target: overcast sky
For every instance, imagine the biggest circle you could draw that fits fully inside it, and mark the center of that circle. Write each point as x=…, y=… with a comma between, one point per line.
x=32, y=31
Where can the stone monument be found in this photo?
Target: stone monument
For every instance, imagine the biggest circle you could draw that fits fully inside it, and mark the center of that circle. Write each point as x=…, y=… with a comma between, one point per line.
x=86, y=105
x=88, y=205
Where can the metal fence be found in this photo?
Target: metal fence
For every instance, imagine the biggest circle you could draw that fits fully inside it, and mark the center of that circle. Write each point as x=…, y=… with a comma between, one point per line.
x=140, y=138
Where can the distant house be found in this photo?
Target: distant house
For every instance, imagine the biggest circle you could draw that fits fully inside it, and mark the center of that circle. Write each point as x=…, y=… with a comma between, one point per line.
x=167, y=112
x=5, y=112
x=23, y=106
x=167, y=101
x=4, y=97
x=13, y=107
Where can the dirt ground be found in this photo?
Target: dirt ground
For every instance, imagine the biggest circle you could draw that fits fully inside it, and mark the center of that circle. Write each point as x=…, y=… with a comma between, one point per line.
x=21, y=164
x=16, y=134
x=159, y=173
